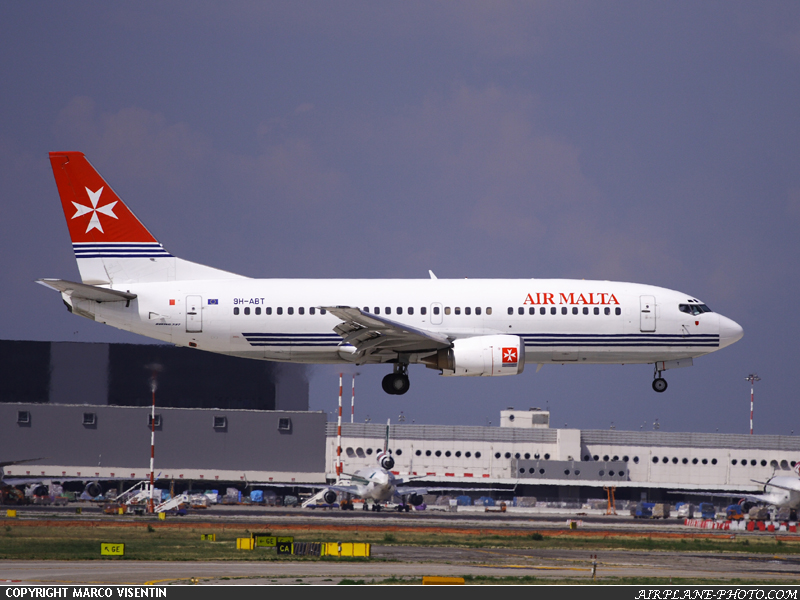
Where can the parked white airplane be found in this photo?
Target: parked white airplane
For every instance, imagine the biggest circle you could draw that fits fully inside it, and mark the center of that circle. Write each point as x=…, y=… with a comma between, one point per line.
x=780, y=491
x=377, y=484
x=465, y=327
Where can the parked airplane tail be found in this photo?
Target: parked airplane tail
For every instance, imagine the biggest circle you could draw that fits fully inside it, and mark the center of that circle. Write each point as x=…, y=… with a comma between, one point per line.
x=111, y=245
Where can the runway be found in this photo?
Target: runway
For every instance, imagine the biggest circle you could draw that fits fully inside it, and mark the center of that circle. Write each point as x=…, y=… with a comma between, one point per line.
x=410, y=562
x=415, y=562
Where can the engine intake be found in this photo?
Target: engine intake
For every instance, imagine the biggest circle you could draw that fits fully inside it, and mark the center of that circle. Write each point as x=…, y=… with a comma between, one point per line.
x=385, y=461
x=484, y=355
x=329, y=497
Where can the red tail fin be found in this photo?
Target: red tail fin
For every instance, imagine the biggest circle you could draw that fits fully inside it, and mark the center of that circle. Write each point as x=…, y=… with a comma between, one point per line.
x=96, y=217
x=111, y=244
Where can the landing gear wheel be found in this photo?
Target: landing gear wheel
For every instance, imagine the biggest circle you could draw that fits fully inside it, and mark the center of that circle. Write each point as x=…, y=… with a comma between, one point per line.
x=395, y=384
x=659, y=384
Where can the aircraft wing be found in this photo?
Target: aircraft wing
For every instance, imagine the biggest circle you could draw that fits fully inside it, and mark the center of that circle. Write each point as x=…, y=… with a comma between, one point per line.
x=741, y=496
x=87, y=292
x=408, y=491
x=372, y=333
x=344, y=489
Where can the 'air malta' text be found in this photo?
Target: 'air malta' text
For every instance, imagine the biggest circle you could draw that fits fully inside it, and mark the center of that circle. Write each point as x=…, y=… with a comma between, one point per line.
x=571, y=298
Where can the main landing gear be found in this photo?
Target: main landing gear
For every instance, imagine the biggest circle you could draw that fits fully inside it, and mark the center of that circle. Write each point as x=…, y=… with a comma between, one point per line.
x=659, y=383
x=397, y=383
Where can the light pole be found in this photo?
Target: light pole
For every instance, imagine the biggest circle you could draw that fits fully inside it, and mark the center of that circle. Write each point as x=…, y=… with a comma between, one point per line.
x=752, y=378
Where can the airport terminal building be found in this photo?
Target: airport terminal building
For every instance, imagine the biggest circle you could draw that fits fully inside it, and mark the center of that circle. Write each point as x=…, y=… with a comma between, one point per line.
x=526, y=455
x=83, y=411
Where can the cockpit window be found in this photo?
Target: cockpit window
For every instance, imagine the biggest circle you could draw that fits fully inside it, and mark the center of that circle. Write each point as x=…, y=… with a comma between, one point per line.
x=694, y=309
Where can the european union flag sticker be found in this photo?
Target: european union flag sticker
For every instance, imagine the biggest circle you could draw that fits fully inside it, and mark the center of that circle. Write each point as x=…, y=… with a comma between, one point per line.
x=213, y=301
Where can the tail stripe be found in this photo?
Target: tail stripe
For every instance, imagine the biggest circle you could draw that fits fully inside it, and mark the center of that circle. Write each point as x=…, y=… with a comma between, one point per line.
x=119, y=250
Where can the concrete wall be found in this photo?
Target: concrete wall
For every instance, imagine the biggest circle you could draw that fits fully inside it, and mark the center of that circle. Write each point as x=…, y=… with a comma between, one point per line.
x=250, y=446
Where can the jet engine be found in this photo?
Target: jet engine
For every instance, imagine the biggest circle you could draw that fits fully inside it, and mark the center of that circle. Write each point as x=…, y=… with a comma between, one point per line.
x=386, y=461
x=488, y=355
x=329, y=497
x=93, y=489
x=415, y=499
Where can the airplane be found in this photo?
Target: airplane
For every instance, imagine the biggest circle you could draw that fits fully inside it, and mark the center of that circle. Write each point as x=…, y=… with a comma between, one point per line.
x=780, y=491
x=378, y=484
x=463, y=327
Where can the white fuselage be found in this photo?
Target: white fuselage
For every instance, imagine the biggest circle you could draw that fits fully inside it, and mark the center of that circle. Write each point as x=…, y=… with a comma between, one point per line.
x=559, y=320
x=782, y=491
x=380, y=487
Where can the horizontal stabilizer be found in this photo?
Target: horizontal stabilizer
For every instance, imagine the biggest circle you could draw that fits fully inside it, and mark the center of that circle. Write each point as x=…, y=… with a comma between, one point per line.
x=87, y=292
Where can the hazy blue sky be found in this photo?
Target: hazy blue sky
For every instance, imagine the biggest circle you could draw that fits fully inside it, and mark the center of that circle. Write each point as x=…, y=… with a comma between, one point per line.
x=655, y=142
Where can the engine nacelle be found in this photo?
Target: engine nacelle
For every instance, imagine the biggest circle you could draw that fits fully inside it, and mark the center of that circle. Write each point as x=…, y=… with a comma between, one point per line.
x=329, y=497
x=488, y=355
x=415, y=499
x=93, y=489
x=386, y=461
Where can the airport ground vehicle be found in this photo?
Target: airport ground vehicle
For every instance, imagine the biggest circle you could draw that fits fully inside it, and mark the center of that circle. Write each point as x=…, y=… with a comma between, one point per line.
x=685, y=510
x=707, y=510
x=734, y=513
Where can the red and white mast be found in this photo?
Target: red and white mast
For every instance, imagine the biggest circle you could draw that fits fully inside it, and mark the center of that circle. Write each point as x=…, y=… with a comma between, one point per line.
x=151, y=504
x=353, y=401
x=339, y=432
x=752, y=378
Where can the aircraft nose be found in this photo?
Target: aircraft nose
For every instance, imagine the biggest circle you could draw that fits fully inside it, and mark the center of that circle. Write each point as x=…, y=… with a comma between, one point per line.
x=729, y=331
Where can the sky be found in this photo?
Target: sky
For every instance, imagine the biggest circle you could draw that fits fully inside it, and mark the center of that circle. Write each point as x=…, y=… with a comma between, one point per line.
x=649, y=142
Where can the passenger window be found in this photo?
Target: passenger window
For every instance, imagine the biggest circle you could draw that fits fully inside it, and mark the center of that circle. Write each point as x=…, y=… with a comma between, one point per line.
x=247, y=310
x=366, y=309
x=596, y=310
x=301, y=310
x=377, y=310
x=424, y=310
x=585, y=310
x=279, y=310
x=311, y=310
x=553, y=310
x=447, y=310
x=258, y=310
x=399, y=310
x=574, y=310
x=542, y=311
x=458, y=310
x=268, y=310
x=607, y=310
x=477, y=310
x=435, y=310
x=488, y=310
x=467, y=310
x=236, y=310
x=510, y=310
x=322, y=311
x=532, y=310
x=563, y=310
x=388, y=310
x=521, y=310
x=618, y=311
x=411, y=310
x=290, y=310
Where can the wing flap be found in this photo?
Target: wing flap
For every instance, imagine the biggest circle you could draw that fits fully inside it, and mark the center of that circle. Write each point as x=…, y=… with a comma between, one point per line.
x=371, y=333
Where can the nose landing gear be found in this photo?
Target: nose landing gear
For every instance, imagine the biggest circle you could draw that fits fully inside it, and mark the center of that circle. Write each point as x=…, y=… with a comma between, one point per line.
x=659, y=383
x=397, y=383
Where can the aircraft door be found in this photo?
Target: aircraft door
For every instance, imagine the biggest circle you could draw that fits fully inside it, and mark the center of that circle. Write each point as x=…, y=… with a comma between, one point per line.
x=436, y=313
x=194, y=314
x=647, y=313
